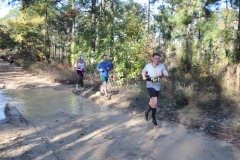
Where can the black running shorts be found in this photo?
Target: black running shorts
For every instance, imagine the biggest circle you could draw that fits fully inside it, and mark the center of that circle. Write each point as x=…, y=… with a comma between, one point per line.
x=152, y=92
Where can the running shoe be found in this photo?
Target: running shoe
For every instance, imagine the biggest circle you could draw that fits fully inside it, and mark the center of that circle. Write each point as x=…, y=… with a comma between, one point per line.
x=155, y=123
x=107, y=96
x=81, y=88
x=77, y=86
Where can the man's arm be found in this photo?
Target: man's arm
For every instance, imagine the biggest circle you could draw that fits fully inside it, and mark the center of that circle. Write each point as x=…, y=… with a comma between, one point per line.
x=109, y=68
x=99, y=66
x=144, y=77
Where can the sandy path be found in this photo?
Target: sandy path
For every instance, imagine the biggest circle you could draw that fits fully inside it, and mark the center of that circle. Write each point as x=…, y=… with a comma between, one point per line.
x=109, y=134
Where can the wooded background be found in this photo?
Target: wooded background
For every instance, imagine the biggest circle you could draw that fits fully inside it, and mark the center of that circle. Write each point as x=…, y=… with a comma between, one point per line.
x=199, y=40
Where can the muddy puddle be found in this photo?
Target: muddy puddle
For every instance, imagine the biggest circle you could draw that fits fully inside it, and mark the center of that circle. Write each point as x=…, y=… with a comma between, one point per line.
x=33, y=103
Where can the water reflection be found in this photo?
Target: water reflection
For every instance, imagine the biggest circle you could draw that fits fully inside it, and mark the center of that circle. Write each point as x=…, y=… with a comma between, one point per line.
x=3, y=101
x=33, y=103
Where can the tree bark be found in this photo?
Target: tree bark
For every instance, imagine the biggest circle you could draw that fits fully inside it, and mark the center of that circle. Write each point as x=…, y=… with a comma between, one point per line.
x=112, y=28
x=230, y=79
x=93, y=26
x=149, y=9
x=238, y=35
x=46, y=36
x=72, y=43
x=238, y=79
x=102, y=9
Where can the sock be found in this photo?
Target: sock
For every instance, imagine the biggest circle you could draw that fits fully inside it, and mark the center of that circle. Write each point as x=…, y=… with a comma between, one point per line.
x=81, y=83
x=154, y=114
x=149, y=109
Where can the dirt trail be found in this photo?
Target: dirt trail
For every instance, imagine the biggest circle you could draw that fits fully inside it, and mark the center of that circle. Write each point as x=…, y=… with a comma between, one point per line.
x=108, y=134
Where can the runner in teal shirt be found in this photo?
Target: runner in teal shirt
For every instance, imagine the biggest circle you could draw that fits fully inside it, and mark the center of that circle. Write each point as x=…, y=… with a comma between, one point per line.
x=104, y=67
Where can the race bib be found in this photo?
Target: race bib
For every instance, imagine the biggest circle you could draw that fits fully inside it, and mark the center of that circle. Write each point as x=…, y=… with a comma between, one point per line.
x=155, y=79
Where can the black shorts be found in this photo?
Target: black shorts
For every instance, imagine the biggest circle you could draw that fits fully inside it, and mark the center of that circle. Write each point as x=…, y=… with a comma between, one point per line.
x=152, y=92
x=80, y=73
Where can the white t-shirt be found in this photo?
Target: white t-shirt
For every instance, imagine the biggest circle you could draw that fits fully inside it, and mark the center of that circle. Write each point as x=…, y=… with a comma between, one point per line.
x=154, y=72
x=80, y=66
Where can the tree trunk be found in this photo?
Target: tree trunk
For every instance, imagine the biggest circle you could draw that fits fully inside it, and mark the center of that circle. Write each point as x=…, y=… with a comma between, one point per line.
x=101, y=27
x=149, y=15
x=112, y=28
x=238, y=35
x=72, y=39
x=238, y=79
x=102, y=8
x=46, y=36
x=93, y=26
x=230, y=77
x=225, y=45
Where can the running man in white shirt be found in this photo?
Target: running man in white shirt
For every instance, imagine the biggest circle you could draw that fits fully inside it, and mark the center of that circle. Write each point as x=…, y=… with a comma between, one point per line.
x=152, y=74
